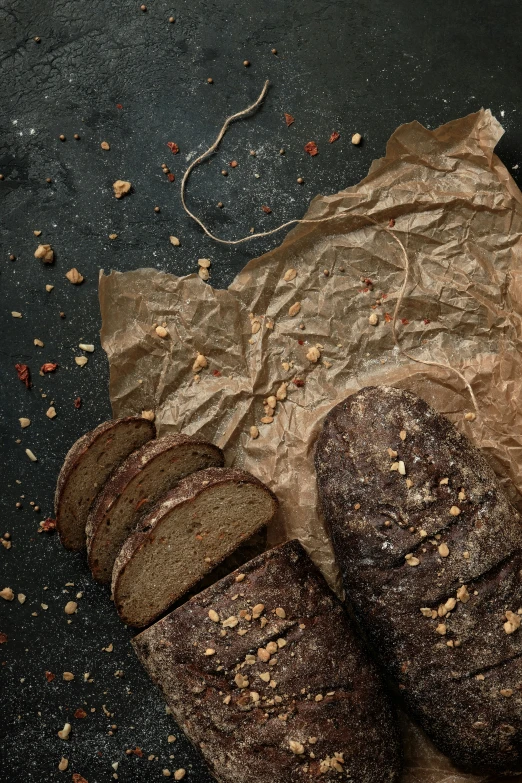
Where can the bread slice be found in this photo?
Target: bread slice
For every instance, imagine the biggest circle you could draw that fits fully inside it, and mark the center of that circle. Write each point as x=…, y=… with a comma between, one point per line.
x=267, y=677
x=191, y=530
x=88, y=464
x=134, y=489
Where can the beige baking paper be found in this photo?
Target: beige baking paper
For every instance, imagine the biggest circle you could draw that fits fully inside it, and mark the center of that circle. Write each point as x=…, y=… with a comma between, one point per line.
x=458, y=214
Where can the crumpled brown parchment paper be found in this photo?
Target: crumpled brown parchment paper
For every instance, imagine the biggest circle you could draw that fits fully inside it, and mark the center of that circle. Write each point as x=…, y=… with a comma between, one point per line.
x=458, y=214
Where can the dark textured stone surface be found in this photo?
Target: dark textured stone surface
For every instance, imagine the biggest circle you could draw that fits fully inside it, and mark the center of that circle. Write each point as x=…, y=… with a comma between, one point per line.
x=345, y=66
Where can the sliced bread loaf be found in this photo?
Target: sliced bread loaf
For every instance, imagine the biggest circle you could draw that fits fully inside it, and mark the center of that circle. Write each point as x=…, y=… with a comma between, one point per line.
x=264, y=673
x=134, y=489
x=191, y=530
x=88, y=464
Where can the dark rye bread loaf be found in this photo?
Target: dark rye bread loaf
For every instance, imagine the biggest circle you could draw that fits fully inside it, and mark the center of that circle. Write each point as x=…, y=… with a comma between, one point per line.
x=263, y=673
x=431, y=554
x=87, y=466
x=135, y=487
x=192, y=529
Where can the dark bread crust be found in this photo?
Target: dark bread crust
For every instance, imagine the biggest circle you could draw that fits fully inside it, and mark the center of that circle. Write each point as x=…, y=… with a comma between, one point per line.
x=72, y=463
x=149, y=524
x=121, y=478
x=467, y=697
x=245, y=741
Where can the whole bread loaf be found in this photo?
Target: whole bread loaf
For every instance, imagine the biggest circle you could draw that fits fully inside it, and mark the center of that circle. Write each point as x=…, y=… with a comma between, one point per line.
x=87, y=466
x=263, y=673
x=431, y=555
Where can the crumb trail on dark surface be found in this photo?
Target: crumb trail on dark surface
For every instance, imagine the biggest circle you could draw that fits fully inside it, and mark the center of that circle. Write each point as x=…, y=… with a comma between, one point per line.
x=135, y=80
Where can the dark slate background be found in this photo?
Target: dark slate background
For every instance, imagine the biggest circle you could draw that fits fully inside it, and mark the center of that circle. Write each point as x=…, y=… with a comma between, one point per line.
x=340, y=65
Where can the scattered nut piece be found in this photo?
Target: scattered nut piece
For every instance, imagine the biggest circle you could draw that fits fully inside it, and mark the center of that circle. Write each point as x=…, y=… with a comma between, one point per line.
x=280, y=613
x=49, y=288
x=263, y=655
x=441, y=629
x=506, y=692
x=289, y=275
x=7, y=594
x=254, y=432
x=81, y=361
x=443, y=550
x=171, y=738
x=512, y=624
x=294, y=309
x=63, y=764
x=241, y=681
x=203, y=273
x=411, y=560
x=281, y=393
x=21, y=598
x=373, y=319
x=64, y=733
x=70, y=607
x=86, y=347
x=105, y=145
x=409, y=483
x=450, y=604
x=402, y=434
x=296, y=747
x=149, y=415
x=161, y=331
x=121, y=188
x=230, y=622
x=257, y=611
x=174, y=241
x=16, y=314
x=51, y=412
x=454, y=511
x=470, y=416
x=463, y=595
x=210, y=651
x=24, y=422
x=68, y=676
x=45, y=253
x=426, y=611
x=31, y=455
x=74, y=277
x=38, y=342
x=179, y=774
x=402, y=468
x=199, y=362
x=356, y=138
x=313, y=354
x=204, y=262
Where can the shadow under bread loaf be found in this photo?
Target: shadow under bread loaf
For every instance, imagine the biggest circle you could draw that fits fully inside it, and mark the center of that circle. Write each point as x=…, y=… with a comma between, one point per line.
x=264, y=674
x=430, y=551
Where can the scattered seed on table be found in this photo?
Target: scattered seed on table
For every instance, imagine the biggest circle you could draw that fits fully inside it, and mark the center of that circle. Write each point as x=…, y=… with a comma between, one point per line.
x=12, y=257
x=1, y=176
x=220, y=204
x=210, y=80
x=246, y=63
x=233, y=164
x=48, y=180
x=143, y=8
x=76, y=136
x=31, y=456
x=37, y=39
x=174, y=241
x=61, y=137
x=224, y=172
x=300, y=180
x=356, y=138
x=274, y=51
x=281, y=151
x=105, y=145
x=157, y=209
x=171, y=19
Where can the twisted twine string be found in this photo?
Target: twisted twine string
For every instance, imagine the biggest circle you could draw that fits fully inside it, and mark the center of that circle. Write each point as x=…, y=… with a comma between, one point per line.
x=340, y=214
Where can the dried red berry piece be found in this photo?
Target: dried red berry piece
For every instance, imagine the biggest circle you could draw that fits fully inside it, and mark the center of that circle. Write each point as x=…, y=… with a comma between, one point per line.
x=266, y=209
x=119, y=106
x=173, y=147
x=3, y=638
x=404, y=321
x=48, y=367
x=334, y=136
x=311, y=148
x=77, y=778
x=23, y=374
x=138, y=752
x=80, y=713
x=216, y=373
x=78, y=403
x=48, y=525
x=298, y=382
x=391, y=223
x=171, y=177
x=387, y=318
x=426, y=321
x=49, y=676
x=289, y=119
